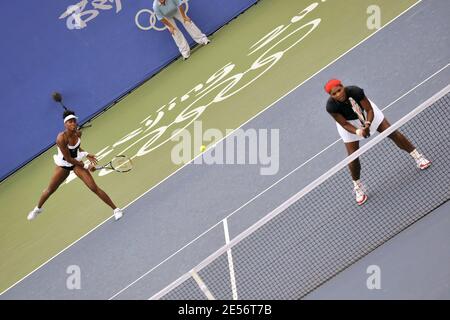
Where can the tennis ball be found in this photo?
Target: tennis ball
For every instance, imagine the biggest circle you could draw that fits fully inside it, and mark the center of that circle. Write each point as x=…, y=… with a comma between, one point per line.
x=202, y=148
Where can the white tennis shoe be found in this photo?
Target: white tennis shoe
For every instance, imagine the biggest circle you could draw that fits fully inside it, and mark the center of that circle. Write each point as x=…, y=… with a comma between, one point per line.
x=34, y=213
x=422, y=162
x=118, y=213
x=360, y=193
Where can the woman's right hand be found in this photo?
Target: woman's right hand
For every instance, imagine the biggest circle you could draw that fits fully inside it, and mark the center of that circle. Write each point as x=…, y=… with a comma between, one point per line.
x=366, y=132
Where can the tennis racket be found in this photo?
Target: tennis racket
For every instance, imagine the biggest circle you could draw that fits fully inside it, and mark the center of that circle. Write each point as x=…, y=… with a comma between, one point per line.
x=58, y=98
x=119, y=163
x=358, y=110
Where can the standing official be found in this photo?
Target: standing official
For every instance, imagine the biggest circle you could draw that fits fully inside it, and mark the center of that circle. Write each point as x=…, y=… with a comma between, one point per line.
x=167, y=11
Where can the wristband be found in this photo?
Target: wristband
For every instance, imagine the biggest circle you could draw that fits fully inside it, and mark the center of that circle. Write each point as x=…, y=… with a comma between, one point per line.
x=83, y=154
x=86, y=166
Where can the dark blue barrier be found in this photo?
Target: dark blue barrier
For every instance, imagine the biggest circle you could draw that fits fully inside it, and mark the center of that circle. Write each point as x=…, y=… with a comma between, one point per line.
x=94, y=55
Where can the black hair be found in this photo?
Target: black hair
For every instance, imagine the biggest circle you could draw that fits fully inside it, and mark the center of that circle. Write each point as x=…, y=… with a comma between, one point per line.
x=68, y=113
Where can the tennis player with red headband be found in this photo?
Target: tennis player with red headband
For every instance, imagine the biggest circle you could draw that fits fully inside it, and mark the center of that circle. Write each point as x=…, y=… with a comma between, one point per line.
x=69, y=159
x=357, y=118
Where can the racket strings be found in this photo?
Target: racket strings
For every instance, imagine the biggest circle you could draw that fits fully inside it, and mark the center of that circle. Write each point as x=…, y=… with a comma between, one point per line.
x=358, y=110
x=121, y=164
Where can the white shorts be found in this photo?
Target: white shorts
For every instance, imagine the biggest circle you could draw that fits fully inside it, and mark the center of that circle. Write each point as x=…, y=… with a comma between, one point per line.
x=350, y=137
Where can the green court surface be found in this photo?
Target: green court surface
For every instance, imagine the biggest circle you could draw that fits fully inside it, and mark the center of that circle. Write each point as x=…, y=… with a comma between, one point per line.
x=238, y=75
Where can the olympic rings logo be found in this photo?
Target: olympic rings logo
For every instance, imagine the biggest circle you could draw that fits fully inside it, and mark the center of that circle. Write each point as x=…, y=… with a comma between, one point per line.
x=152, y=19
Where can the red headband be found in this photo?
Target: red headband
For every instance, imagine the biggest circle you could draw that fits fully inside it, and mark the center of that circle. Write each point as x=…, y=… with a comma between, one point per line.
x=331, y=84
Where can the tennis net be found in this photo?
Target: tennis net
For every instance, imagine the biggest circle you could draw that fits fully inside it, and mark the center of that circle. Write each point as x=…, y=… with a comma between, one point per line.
x=321, y=230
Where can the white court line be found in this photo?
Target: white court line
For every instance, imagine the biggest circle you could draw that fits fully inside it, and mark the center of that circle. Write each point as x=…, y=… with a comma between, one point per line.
x=230, y=260
x=202, y=285
x=414, y=88
x=176, y=171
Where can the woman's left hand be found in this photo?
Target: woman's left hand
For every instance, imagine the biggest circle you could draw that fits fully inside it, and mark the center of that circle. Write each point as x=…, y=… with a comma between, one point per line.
x=366, y=132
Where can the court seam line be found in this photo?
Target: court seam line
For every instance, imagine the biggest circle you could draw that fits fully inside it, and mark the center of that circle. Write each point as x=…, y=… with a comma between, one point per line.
x=230, y=261
x=243, y=124
x=270, y=187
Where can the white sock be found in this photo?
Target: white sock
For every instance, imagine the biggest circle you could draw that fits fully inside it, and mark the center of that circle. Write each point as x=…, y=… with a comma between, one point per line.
x=415, y=154
x=356, y=183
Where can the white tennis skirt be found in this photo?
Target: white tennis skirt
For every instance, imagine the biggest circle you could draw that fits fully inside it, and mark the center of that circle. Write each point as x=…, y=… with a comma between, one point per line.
x=350, y=137
x=60, y=162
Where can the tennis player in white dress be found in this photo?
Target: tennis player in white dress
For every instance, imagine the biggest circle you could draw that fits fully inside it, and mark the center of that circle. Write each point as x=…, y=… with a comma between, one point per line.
x=69, y=159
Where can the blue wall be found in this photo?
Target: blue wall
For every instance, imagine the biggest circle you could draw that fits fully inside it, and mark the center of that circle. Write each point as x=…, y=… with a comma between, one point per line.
x=90, y=65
